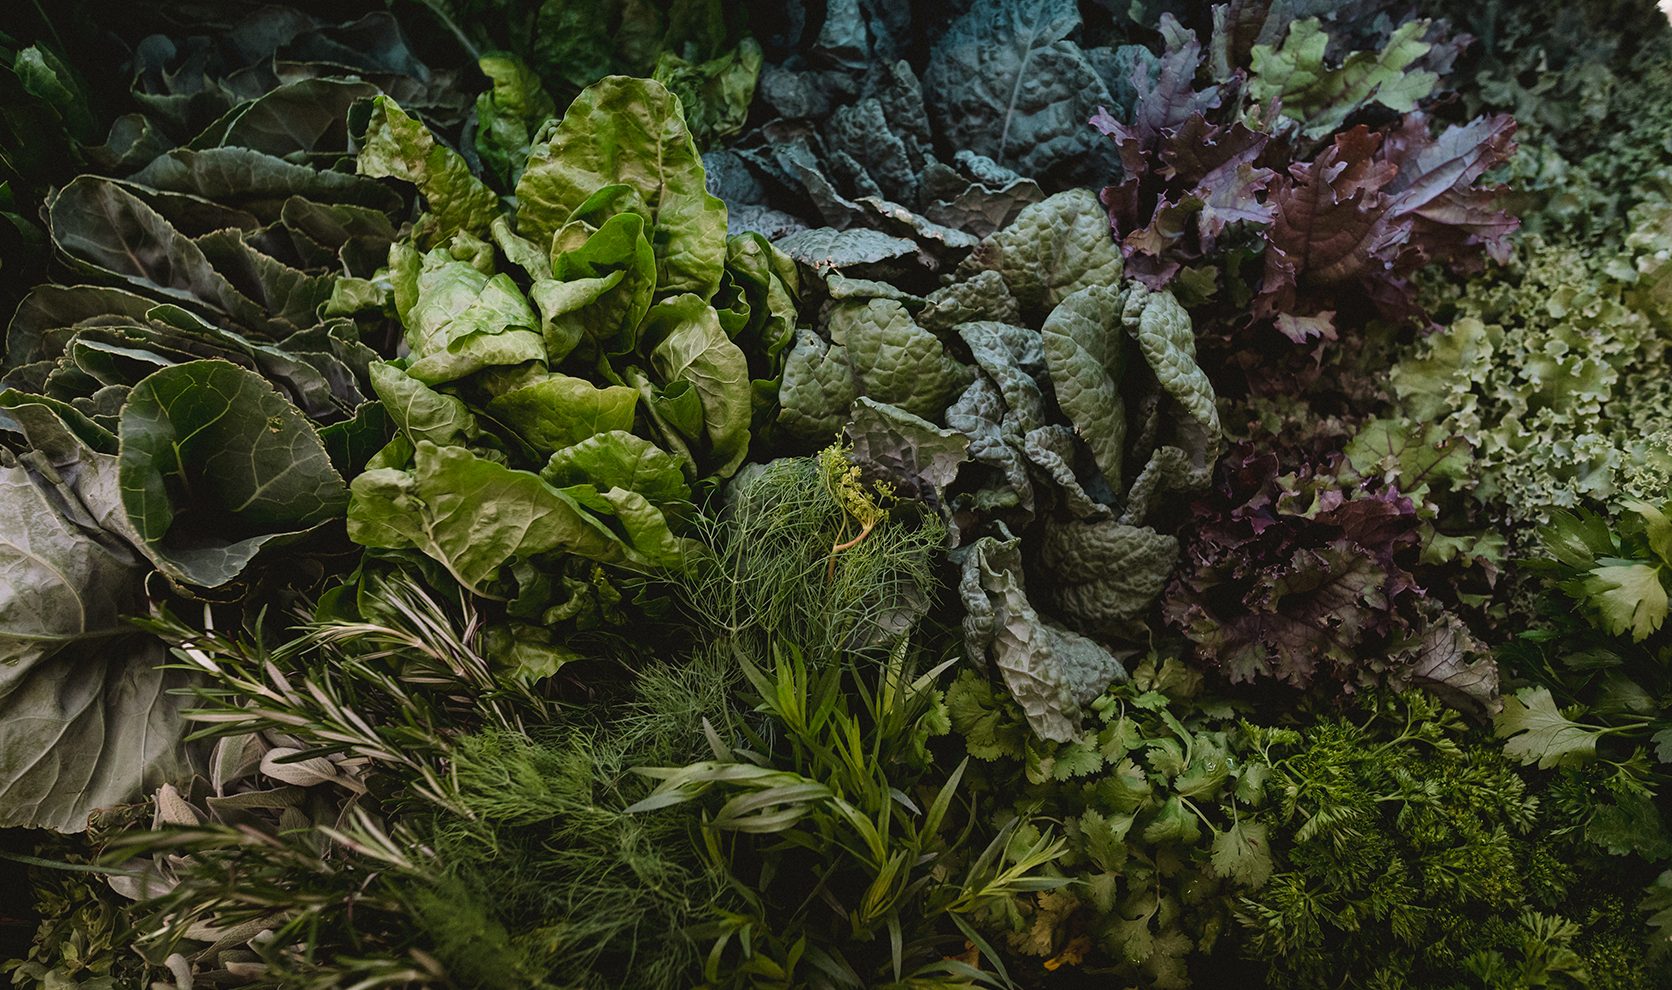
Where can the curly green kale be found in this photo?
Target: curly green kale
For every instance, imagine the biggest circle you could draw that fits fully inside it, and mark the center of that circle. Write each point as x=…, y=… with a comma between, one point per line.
x=1553, y=369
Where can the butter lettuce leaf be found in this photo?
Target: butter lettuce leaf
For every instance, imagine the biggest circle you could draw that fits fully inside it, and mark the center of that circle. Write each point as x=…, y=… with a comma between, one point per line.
x=400, y=147
x=631, y=132
x=472, y=515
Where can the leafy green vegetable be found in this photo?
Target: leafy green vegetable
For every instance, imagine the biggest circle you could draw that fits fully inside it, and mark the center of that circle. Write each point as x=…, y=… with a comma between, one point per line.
x=398, y=147
x=508, y=117
x=1085, y=360
x=1051, y=671
x=474, y=515
x=196, y=405
x=482, y=837
x=921, y=131
x=1064, y=473
x=1586, y=83
x=1331, y=560
x=1596, y=709
x=699, y=49
x=1160, y=801
x=572, y=368
x=1008, y=85
x=84, y=936
x=1537, y=731
x=1546, y=367
x=627, y=140
x=209, y=452
x=90, y=720
x=1251, y=195
x=1410, y=853
x=1321, y=97
x=837, y=780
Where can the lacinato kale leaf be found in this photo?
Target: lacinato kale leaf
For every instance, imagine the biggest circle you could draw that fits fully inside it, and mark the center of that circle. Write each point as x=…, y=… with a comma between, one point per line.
x=1039, y=402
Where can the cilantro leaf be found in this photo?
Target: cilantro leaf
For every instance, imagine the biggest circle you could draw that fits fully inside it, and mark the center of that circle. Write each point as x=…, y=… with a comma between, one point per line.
x=1242, y=853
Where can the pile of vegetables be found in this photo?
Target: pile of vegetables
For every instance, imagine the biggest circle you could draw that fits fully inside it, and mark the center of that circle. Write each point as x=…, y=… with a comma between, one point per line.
x=1016, y=494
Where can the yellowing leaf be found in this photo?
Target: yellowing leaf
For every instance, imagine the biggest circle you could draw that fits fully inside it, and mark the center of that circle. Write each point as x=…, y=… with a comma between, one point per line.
x=1072, y=954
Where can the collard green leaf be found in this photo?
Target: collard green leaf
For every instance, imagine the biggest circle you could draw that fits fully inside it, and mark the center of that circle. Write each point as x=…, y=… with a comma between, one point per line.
x=257, y=181
x=354, y=441
x=286, y=296
x=631, y=132
x=51, y=307
x=104, y=228
x=97, y=724
x=61, y=581
x=294, y=118
x=214, y=464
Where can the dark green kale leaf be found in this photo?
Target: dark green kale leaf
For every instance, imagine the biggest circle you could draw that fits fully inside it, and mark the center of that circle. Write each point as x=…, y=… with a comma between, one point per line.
x=1048, y=410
